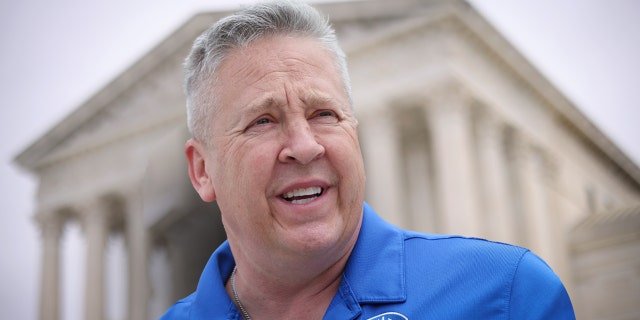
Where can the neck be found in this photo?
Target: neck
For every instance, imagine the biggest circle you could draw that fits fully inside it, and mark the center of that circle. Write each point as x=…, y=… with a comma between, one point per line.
x=288, y=284
x=302, y=292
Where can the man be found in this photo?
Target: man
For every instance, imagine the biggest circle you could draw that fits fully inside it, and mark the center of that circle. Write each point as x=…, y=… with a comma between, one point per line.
x=275, y=144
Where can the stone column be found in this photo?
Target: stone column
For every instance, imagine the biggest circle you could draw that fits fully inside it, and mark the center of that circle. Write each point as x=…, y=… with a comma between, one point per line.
x=557, y=224
x=51, y=226
x=560, y=209
x=160, y=274
x=417, y=165
x=96, y=227
x=535, y=201
x=449, y=119
x=494, y=188
x=138, y=257
x=175, y=245
x=546, y=231
x=418, y=194
x=380, y=147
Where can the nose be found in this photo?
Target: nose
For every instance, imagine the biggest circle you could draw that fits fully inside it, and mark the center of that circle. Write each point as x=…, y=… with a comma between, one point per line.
x=300, y=144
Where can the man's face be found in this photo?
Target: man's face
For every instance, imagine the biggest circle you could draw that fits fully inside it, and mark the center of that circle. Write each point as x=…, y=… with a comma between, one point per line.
x=284, y=158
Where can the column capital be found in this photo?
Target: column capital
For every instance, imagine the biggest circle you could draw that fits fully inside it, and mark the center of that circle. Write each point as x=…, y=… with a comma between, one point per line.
x=544, y=163
x=489, y=123
x=50, y=223
x=449, y=96
x=93, y=212
x=519, y=146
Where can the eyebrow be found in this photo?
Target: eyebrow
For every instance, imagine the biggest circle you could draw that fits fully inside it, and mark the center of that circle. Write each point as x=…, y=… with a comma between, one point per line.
x=261, y=104
x=314, y=98
x=269, y=101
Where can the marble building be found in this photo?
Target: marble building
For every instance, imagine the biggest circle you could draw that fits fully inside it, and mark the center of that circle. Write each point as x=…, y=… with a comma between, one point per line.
x=460, y=134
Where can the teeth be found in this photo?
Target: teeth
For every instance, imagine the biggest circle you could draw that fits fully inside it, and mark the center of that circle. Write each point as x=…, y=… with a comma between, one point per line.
x=303, y=192
x=303, y=201
x=303, y=195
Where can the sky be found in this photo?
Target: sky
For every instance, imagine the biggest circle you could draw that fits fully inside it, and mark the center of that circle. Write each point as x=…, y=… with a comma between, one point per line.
x=56, y=54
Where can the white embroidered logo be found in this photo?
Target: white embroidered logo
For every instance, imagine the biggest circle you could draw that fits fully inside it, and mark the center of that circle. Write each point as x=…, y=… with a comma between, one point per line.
x=389, y=316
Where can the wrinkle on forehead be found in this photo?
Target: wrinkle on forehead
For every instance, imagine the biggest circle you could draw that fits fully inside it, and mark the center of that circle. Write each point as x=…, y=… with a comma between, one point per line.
x=265, y=55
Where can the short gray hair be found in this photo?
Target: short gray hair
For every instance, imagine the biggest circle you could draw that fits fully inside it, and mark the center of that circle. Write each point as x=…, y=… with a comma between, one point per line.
x=283, y=17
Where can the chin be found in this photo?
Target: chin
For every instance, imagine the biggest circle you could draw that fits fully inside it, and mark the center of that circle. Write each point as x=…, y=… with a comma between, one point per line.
x=316, y=240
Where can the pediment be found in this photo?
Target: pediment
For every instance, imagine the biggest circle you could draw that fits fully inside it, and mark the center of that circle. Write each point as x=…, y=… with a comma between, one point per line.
x=150, y=91
x=147, y=93
x=154, y=99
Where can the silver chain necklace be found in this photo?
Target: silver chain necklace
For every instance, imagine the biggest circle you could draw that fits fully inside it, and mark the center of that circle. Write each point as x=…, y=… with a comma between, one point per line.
x=244, y=312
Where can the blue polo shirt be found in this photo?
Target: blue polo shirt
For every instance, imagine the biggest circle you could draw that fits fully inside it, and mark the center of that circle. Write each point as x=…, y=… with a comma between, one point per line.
x=396, y=274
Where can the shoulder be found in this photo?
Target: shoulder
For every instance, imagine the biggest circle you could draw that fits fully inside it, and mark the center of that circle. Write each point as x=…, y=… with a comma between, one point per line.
x=454, y=248
x=535, y=281
x=510, y=265
x=510, y=276
x=461, y=263
x=477, y=255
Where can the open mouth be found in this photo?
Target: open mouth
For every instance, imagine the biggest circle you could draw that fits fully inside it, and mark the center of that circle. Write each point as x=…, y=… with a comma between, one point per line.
x=302, y=196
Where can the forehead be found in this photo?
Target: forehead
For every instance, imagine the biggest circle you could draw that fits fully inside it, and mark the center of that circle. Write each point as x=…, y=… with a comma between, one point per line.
x=275, y=58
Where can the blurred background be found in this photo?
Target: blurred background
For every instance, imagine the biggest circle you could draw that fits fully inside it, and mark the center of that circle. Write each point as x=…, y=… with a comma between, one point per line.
x=57, y=55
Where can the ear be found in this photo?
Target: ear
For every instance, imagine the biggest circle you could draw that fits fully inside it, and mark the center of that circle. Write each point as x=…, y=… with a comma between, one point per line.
x=199, y=170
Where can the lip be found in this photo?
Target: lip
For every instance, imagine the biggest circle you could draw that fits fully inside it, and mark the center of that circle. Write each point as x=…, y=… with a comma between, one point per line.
x=291, y=214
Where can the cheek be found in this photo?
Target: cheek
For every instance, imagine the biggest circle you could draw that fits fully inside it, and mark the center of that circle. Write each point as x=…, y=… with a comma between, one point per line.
x=248, y=167
x=346, y=147
x=349, y=160
x=356, y=171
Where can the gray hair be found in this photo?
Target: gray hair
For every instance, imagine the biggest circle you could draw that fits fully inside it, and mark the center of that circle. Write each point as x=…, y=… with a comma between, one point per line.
x=284, y=17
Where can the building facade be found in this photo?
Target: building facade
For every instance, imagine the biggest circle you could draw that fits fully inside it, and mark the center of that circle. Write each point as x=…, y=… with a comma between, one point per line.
x=460, y=134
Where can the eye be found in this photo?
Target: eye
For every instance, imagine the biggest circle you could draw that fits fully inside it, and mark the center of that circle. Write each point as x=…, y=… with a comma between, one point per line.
x=325, y=116
x=262, y=121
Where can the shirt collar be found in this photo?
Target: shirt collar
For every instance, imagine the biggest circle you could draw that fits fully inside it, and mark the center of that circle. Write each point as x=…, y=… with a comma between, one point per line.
x=211, y=299
x=375, y=271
